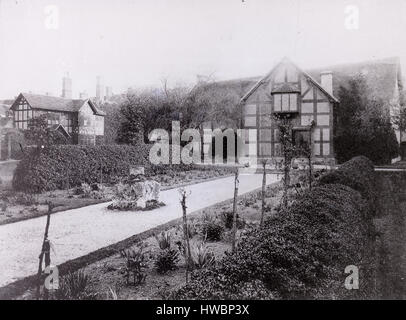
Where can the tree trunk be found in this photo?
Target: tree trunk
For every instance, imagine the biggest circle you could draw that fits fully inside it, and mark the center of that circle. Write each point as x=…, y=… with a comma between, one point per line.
x=236, y=182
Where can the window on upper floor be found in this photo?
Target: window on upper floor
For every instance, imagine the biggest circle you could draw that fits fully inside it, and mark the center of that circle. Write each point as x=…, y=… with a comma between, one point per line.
x=285, y=102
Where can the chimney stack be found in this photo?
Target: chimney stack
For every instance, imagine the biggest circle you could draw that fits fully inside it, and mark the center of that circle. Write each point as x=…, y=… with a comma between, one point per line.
x=326, y=78
x=99, y=89
x=109, y=92
x=83, y=95
x=67, y=87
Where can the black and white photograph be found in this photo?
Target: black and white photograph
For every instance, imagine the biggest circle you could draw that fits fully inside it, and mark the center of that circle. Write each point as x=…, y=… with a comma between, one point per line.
x=202, y=156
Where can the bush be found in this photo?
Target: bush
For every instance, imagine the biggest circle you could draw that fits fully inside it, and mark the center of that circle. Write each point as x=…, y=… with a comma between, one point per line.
x=300, y=253
x=136, y=263
x=358, y=174
x=212, y=230
x=202, y=256
x=75, y=286
x=62, y=166
x=227, y=217
x=166, y=260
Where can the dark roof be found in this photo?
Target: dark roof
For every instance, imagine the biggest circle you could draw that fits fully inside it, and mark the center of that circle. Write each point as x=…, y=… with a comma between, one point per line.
x=44, y=102
x=380, y=75
x=61, y=129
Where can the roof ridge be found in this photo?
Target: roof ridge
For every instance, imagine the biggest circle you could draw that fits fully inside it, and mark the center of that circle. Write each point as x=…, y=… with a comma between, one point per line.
x=388, y=60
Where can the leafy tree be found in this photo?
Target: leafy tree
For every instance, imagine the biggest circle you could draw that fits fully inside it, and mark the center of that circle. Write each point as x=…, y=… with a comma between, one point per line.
x=143, y=111
x=363, y=126
x=41, y=135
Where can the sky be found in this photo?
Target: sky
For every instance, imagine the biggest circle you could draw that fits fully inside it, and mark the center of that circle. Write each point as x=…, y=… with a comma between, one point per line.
x=138, y=43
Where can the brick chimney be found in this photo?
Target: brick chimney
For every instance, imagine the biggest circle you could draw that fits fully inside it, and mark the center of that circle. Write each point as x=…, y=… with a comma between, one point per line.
x=67, y=87
x=326, y=78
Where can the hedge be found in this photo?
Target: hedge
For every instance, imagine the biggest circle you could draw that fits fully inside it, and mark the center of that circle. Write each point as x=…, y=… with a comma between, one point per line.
x=358, y=174
x=300, y=253
x=70, y=165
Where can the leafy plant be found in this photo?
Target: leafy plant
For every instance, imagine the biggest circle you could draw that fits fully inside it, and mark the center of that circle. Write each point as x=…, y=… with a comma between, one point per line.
x=227, y=218
x=136, y=263
x=167, y=260
x=75, y=286
x=164, y=240
x=212, y=230
x=202, y=256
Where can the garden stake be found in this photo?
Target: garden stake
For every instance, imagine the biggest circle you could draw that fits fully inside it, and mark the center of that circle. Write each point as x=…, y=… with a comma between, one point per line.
x=45, y=251
x=185, y=232
x=263, y=192
x=236, y=182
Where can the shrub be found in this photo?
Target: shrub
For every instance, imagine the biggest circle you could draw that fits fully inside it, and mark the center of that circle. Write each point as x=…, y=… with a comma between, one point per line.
x=300, y=253
x=57, y=166
x=202, y=256
x=227, y=217
x=164, y=240
x=212, y=230
x=75, y=286
x=166, y=260
x=358, y=174
x=136, y=263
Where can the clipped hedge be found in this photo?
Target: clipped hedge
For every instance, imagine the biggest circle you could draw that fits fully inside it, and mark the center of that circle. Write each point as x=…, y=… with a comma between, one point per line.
x=58, y=167
x=358, y=174
x=300, y=253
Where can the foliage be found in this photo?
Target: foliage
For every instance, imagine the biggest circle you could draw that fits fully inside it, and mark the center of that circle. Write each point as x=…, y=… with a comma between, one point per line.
x=362, y=125
x=164, y=240
x=144, y=111
x=166, y=260
x=202, y=256
x=358, y=174
x=41, y=135
x=299, y=253
x=75, y=286
x=227, y=218
x=212, y=230
x=136, y=263
x=58, y=166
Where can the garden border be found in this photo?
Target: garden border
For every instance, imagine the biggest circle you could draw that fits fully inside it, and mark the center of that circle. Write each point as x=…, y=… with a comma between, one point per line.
x=15, y=289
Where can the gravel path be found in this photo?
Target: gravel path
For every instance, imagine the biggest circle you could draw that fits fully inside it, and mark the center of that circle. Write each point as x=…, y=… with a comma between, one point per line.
x=77, y=232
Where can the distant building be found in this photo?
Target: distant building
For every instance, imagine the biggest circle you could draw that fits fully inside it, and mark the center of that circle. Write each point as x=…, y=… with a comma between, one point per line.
x=83, y=95
x=306, y=96
x=82, y=120
x=109, y=93
x=99, y=90
x=67, y=87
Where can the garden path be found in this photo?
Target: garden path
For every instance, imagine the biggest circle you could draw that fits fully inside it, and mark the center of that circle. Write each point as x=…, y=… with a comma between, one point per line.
x=77, y=232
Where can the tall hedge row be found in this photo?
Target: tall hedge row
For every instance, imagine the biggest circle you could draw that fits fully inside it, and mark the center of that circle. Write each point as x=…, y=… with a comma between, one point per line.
x=301, y=252
x=69, y=165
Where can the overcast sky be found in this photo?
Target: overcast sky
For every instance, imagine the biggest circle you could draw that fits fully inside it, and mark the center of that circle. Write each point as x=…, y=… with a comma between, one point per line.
x=140, y=42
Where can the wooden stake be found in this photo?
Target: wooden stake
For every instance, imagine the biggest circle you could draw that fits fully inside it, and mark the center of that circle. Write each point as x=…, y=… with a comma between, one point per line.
x=45, y=245
x=263, y=192
x=236, y=182
x=185, y=233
